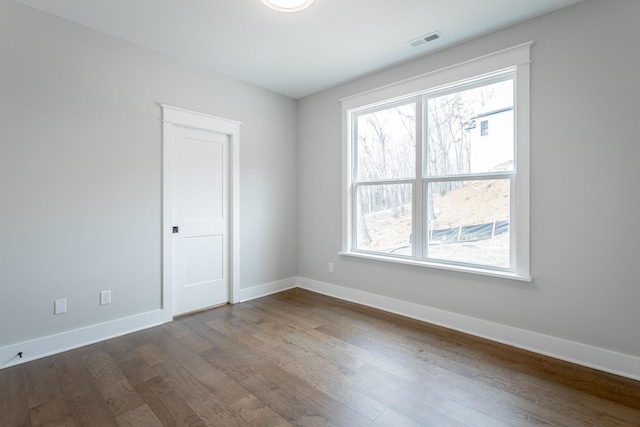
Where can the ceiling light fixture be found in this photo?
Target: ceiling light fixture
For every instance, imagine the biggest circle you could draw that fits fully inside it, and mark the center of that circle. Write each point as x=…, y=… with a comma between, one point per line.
x=288, y=5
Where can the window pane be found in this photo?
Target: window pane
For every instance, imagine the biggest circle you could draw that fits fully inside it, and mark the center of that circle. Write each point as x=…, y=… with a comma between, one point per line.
x=468, y=222
x=386, y=144
x=471, y=131
x=384, y=218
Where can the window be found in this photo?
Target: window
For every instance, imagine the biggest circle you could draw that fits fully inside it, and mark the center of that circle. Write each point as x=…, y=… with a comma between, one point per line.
x=484, y=128
x=420, y=185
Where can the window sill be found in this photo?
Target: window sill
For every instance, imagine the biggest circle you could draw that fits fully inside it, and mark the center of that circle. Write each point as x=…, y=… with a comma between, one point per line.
x=463, y=269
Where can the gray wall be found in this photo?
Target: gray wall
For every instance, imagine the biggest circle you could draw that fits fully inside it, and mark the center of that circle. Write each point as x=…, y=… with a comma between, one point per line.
x=80, y=175
x=585, y=209
x=80, y=172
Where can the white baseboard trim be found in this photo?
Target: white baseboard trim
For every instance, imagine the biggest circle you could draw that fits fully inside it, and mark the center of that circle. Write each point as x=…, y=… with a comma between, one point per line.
x=58, y=343
x=263, y=290
x=593, y=357
x=581, y=354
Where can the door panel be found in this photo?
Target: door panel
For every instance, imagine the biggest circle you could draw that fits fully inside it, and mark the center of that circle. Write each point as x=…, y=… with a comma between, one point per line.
x=203, y=257
x=200, y=210
x=203, y=178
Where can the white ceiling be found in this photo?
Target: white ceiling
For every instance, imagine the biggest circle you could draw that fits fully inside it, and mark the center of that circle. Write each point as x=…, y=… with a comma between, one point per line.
x=295, y=54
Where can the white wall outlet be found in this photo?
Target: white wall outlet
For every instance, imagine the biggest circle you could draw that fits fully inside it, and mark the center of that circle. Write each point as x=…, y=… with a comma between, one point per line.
x=330, y=267
x=60, y=306
x=105, y=297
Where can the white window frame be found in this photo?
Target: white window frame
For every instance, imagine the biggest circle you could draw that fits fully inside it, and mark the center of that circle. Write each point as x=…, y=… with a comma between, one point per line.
x=516, y=58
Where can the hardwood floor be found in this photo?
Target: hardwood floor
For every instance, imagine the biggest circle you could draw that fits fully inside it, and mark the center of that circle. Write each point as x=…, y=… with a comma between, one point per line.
x=303, y=359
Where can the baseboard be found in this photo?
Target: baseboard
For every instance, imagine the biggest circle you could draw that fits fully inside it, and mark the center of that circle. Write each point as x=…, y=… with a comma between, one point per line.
x=581, y=354
x=263, y=290
x=58, y=343
x=574, y=352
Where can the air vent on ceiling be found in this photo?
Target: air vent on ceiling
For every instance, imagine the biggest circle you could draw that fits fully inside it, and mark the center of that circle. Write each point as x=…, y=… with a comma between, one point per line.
x=426, y=39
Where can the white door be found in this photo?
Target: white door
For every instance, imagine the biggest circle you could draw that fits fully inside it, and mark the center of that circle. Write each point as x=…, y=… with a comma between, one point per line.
x=200, y=213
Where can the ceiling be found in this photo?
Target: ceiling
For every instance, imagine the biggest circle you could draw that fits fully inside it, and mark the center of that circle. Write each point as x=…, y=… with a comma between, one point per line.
x=296, y=54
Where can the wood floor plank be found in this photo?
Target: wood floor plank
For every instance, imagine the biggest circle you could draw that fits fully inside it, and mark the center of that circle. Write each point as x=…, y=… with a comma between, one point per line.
x=136, y=370
x=582, y=406
x=152, y=353
x=247, y=337
x=228, y=390
x=14, y=408
x=190, y=339
x=167, y=406
x=204, y=403
x=53, y=412
x=288, y=395
x=446, y=404
x=500, y=379
x=175, y=349
x=256, y=413
x=141, y=416
x=121, y=397
x=119, y=349
x=245, y=311
x=303, y=359
x=42, y=382
x=476, y=351
x=450, y=383
x=391, y=418
x=307, y=363
x=296, y=409
x=330, y=379
x=82, y=395
x=329, y=348
x=273, y=310
x=104, y=369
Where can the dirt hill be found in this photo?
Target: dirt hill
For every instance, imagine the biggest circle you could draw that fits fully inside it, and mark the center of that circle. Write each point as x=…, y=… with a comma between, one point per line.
x=474, y=203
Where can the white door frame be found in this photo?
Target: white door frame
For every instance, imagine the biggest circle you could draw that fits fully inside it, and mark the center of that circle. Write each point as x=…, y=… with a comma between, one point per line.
x=172, y=117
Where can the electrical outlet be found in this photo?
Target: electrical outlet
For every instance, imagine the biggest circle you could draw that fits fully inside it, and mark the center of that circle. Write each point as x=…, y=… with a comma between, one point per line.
x=330, y=267
x=105, y=297
x=60, y=306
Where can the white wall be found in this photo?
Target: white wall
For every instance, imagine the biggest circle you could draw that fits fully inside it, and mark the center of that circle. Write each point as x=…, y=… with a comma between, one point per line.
x=80, y=173
x=585, y=210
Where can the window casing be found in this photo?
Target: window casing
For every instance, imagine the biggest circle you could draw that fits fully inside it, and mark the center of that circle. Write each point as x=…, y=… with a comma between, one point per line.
x=421, y=187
